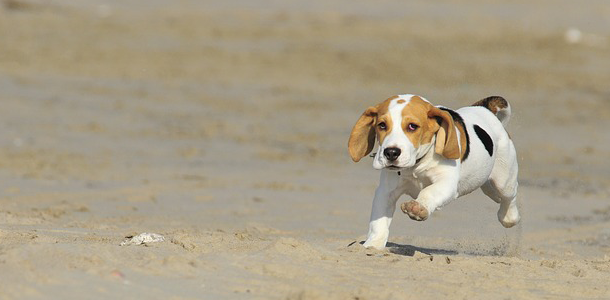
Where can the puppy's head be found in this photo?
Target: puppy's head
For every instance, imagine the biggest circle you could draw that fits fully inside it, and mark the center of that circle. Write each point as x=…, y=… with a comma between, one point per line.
x=405, y=127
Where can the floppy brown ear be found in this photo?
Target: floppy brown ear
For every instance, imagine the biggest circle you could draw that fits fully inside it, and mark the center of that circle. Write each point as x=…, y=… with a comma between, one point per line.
x=447, y=143
x=362, y=139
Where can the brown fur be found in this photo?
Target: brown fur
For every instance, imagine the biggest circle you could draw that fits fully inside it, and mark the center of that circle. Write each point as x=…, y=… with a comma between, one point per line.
x=493, y=103
x=463, y=140
x=418, y=111
x=447, y=138
x=362, y=139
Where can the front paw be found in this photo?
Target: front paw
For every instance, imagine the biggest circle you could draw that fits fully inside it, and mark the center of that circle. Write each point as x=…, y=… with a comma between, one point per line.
x=377, y=244
x=415, y=210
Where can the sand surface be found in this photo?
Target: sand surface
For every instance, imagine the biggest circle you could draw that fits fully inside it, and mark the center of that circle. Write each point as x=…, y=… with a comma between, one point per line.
x=223, y=127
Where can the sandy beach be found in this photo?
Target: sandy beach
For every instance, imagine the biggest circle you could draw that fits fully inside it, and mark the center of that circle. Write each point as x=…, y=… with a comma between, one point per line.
x=224, y=127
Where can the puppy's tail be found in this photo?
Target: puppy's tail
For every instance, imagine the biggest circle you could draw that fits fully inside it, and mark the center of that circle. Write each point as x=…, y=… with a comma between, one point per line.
x=498, y=106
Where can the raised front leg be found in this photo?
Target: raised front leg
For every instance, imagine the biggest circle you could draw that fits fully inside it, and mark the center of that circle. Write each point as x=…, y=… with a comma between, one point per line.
x=430, y=198
x=384, y=205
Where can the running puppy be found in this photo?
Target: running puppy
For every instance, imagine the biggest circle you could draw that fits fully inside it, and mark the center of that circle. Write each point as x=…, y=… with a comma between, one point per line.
x=436, y=155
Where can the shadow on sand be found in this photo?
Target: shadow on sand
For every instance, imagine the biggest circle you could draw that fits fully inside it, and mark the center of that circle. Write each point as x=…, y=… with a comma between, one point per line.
x=409, y=250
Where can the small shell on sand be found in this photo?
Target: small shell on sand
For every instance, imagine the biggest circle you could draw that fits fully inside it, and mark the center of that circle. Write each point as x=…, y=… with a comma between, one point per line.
x=143, y=238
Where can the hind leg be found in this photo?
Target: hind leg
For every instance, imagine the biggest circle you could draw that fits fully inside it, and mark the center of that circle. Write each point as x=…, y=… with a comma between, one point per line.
x=502, y=184
x=508, y=214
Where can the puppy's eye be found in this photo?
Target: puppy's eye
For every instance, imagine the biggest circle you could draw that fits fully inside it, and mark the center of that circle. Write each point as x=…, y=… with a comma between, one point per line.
x=412, y=127
x=382, y=126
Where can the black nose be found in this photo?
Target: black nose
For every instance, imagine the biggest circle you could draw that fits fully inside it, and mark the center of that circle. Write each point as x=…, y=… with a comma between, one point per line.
x=391, y=153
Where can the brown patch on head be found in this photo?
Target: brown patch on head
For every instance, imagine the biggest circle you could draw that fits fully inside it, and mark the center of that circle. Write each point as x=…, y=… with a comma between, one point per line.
x=493, y=103
x=390, y=99
x=384, y=117
x=432, y=121
x=416, y=112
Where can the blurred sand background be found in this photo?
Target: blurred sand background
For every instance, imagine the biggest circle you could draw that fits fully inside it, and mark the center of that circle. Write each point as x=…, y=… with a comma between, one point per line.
x=223, y=126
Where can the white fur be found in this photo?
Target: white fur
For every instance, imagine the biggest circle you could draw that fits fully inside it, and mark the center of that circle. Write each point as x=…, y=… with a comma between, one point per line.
x=435, y=180
x=396, y=137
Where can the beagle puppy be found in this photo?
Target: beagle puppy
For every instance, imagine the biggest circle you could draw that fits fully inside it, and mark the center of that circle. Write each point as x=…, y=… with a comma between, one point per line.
x=435, y=155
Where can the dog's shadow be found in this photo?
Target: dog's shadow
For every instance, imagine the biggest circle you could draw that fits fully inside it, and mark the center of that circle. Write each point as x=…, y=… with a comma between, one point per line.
x=410, y=250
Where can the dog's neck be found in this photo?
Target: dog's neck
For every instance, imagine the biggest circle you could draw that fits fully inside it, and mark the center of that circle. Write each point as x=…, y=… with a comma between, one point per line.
x=422, y=163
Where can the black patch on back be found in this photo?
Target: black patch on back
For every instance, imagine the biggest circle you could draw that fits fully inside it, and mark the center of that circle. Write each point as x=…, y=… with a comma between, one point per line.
x=458, y=119
x=484, y=137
